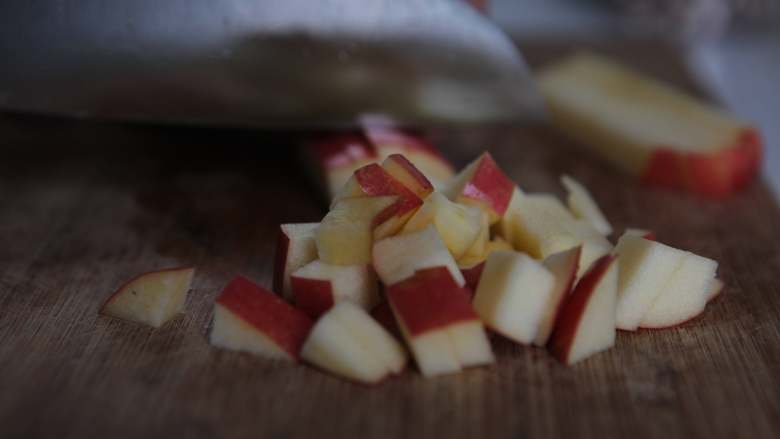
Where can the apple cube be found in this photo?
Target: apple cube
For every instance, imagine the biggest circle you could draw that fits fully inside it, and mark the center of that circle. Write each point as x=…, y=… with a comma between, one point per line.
x=583, y=206
x=346, y=234
x=249, y=318
x=483, y=184
x=318, y=286
x=684, y=296
x=645, y=268
x=295, y=247
x=438, y=323
x=513, y=295
x=151, y=298
x=400, y=168
x=347, y=342
x=398, y=258
x=586, y=323
x=459, y=226
x=564, y=267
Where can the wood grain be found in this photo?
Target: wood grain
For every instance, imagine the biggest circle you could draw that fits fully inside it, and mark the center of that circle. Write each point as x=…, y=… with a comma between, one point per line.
x=85, y=206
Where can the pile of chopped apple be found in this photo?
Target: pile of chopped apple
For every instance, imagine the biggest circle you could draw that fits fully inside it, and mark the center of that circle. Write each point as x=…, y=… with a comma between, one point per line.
x=398, y=267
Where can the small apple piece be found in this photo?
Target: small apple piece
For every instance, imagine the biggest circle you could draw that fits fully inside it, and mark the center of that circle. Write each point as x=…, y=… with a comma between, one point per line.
x=347, y=342
x=684, y=296
x=586, y=323
x=471, y=267
x=583, y=206
x=483, y=184
x=295, y=247
x=645, y=268
x=505, y=226
x=398, y=258
x=513, y=295
x=479, y=247
x=151, y=298
x=400, y=168
x=346, y=233
x=459, y=226
x=716, y=287
x=564, y=267
x=334, y=158
x=249, y=318
x=317, y=286
x=438, y=322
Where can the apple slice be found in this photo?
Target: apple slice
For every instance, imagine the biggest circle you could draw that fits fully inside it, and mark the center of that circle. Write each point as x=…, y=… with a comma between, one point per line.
x=400, y=168
x=564, y=267
x=295, y=247
x=648, y=128
x=684, y=296
x=347, y=342
x=438, y=322
x=249, y=318
x=483, y=184
x=346, y=234
x=459, y=226
x=151, y=298
x=583, y=206
x=716, y=287
x=645, y=268
x=397, y=258
x=586, y=324
x=513, y=295
x=318, y=286
x=333, y=158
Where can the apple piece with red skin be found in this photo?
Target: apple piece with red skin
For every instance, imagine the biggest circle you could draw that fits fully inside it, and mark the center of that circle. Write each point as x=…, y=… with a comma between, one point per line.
x=151, y=298
x=564, y=267
x=317, y=286
x=346, y=233
x=347, y=342
x=483, y=184
x=400, y=168
x=249, y=318
x=333, y=158
x=438, y=322
x=586, y=323
x=295, y=247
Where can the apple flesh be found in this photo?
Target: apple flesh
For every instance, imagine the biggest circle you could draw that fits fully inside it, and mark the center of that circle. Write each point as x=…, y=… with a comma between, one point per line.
x=398, y=258
x=483, y=184
x=471, y=267
x=586, y=323
x=583, y=206
x=346, y=233
x=249, y=318
x=716, y=287
x=564, y=267
x=151, y=298
x=401, y=169
x=295, y=247
x=317, y=286
x=347, y=342
x=642, y=233
x=438, y=322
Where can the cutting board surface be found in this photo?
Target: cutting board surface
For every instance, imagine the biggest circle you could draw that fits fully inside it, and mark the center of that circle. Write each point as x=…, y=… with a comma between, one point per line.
x=84, y=207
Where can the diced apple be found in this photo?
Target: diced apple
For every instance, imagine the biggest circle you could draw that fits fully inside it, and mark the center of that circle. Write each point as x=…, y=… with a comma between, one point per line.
x=583, y=206
x=249, y=318
x=513, y=295
x=295, y=247
x=347, y=342
x=151, y=298
x=397, y=258
x=505, y=226
x=334, y=158
x=479, y=247
x=318, y=286
x=564, y=267
x=471, y=267
x=586, y=323
x=346, y=234
x=483, y=184
x=716, y=287
x=645, y=268
x=438, y=322
x=459, y=226
x=400, y=168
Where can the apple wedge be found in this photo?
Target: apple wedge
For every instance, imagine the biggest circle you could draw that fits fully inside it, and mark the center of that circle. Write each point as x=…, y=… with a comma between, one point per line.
x=650, y=129
x=295, y=247
x=564, y=267
x=398, y=258
x=249, y=318
x=513, y=294
x=583, y=206
x=347, y=342
x=317, y=286
x=684, y=296
x=483, y=184
x=151, y=298
x=586, y=323
x=438, y=323
x=400, y=168
x=346, y=233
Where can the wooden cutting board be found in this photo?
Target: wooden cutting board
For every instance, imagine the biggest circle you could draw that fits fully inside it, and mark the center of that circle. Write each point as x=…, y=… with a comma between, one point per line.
x=84, y=206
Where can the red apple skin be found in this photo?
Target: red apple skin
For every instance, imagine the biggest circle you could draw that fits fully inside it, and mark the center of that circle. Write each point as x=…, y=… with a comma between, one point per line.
x=312, y=296
x=267, y=312
x=430, y=300
x=569, y=316
x=282, y=246
x=425, y=186
x=135, y=278
x=340, y=150
x=490, y=185
x=472, y=276
x=376, y=182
